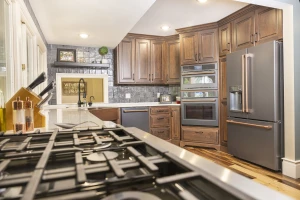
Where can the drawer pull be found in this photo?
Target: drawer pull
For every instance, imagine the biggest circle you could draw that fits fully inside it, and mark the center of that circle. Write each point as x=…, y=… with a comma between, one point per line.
x=160, y=118
x=199, y=132
x=162, y=111
x=248, y=124
x=160, y=131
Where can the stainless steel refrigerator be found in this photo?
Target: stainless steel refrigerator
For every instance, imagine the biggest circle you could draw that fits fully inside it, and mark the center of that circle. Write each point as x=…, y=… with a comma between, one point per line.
x=255, y=104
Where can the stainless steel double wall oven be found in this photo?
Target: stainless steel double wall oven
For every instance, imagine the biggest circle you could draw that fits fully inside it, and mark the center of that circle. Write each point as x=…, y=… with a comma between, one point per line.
x=199, y=95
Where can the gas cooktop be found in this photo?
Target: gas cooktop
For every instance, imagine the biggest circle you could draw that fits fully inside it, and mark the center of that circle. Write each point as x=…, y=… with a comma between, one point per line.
x=107, y=164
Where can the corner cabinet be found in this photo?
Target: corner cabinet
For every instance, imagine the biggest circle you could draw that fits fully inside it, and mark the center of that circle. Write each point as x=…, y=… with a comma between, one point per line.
x=172, y=62
x=125, y=53
x=199, y=47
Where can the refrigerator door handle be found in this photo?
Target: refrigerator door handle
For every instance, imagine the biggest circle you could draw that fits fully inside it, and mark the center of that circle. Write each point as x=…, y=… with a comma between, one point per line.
x=243, y=83
x=246, y=68
x=248, y=124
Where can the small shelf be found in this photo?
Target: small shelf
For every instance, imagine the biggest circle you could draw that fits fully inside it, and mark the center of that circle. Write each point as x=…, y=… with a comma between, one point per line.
x=76, y=64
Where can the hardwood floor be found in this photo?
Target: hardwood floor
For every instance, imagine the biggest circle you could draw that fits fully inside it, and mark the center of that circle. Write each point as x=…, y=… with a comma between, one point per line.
x=269, y=178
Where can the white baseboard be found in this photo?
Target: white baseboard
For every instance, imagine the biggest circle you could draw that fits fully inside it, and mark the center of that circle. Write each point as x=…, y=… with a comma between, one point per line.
x=291, y=168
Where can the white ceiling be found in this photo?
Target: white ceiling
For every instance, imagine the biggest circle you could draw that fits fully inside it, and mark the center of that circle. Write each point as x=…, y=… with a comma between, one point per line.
x=183, y=13
x=106, y=21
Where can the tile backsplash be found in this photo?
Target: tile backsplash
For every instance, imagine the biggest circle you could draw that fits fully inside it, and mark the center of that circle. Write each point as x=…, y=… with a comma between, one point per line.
x=145, y=93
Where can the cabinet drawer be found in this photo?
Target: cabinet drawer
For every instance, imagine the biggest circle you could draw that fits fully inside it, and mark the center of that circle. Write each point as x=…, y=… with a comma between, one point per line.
x=159, y=110
x=199, y=134
x=159, y=120
x=163, y=133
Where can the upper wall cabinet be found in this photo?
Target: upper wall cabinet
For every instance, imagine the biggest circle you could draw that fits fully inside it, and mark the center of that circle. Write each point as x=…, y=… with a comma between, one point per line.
x=189, y=48
x=256, y=27
x=157, y=61
x=173, y=61
x=199, y=47
x=125, y=60
x=225, y=39
x=142, y=61
x=268, y=25
x=243, y=32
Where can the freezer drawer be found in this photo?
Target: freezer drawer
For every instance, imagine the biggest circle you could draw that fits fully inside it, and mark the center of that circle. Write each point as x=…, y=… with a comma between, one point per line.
x=255, y=141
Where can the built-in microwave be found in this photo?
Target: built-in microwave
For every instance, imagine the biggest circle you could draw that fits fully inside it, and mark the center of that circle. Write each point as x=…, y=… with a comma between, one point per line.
x=199, y=108
x=203, y=76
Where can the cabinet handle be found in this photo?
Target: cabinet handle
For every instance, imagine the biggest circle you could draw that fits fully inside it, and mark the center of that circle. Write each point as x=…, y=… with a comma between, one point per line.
x=133, y=76
x=228, y=46
x=251, y=39
x=199, y=132
x=199, y=56
x=152, y=77
x=256, y=37
x=160, y=118
x=172, y=114
x=160, y=131
x=195, y=56
x=167, y=77
x=149, y=77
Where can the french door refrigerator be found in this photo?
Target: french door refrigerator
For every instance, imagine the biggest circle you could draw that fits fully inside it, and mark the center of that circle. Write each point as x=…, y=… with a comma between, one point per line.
x=255, y=108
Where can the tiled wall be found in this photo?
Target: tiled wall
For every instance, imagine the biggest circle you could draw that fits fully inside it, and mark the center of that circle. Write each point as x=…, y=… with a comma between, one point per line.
x=116, y=93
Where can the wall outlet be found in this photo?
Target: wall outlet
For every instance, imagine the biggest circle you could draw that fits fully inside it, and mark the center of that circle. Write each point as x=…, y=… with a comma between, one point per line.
x=158, y=95
x=127, y=96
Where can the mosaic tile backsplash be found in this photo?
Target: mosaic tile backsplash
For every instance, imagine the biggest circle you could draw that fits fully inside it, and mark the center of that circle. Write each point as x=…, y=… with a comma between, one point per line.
x=145, y=93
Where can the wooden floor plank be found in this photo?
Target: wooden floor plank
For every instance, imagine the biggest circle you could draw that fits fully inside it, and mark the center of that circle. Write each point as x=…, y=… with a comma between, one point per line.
x=269, y=178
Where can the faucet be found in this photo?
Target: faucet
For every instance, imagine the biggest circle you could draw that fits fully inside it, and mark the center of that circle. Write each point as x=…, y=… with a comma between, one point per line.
x=79, y=92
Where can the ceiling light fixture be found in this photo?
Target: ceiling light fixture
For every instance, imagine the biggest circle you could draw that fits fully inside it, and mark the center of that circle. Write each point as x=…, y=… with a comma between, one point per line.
x=202, y=1
x=84, y=35
x=165, y=28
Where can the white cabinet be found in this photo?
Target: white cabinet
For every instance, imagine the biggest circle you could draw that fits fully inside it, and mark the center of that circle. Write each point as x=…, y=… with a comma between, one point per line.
x=23, y=54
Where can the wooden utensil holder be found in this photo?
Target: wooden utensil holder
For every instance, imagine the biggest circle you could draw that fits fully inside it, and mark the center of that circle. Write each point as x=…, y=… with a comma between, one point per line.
x=39, y=119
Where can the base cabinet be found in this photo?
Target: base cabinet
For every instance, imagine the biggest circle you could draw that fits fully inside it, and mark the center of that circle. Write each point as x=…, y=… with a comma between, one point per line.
x=165, y=123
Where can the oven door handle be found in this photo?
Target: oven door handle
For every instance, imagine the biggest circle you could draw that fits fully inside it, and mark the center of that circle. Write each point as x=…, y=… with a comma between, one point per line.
x=199, y=100
x=196, y=73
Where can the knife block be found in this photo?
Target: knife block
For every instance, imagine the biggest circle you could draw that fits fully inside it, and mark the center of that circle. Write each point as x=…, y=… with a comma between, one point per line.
x=39, y=119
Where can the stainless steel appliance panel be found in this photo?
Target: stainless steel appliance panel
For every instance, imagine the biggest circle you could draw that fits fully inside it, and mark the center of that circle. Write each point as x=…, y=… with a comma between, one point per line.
x=255, y=141
x=263, y=71
x=201, y=112
x=234, y=73
x=135, y=117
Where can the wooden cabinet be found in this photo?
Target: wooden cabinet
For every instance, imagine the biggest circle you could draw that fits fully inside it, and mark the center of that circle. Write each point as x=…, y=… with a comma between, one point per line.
x=142, y=61
x=197, y=134
x=165, y=123
x=107, y=114
x=173, y=62
x=199, y=47
x=157, y=61
x=125, y=61
x=243, y=32
x=189, y=48
x=175, y=123
x=268, y=24
x=256, y=27
x=223, y=101
x=225, y=39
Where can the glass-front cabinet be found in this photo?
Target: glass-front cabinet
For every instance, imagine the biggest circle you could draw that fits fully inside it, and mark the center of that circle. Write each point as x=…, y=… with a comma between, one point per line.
x=6, y=65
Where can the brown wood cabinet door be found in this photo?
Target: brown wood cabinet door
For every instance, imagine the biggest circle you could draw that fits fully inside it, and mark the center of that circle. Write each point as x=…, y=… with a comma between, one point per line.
x=173, y=62
x=143, y=61
x=225, y=39
x=268, y=25
x=189, y=48
x=208, y=45
x=157, y=61
x=243, y=32
x=222, y=82
x=125, y=62
x=175, y=123
x=223, y=123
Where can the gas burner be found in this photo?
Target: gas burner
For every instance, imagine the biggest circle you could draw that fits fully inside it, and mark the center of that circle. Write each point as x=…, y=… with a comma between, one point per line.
x=131, y=195
x=102, y=156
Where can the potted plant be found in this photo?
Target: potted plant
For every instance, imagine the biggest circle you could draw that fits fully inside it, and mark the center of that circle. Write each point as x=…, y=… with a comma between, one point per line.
x=103, y=51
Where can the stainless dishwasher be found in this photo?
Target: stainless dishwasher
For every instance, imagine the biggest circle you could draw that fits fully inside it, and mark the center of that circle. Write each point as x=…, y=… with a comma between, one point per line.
x=135, y=117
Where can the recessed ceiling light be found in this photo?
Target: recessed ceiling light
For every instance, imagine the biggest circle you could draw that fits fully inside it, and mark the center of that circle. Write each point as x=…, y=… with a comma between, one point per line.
x=165, y=28
x=202, y=1
x=84, y=35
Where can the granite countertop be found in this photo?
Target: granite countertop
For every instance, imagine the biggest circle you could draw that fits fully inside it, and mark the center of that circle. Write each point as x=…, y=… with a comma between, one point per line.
x=110, y=105
x=71, y=115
